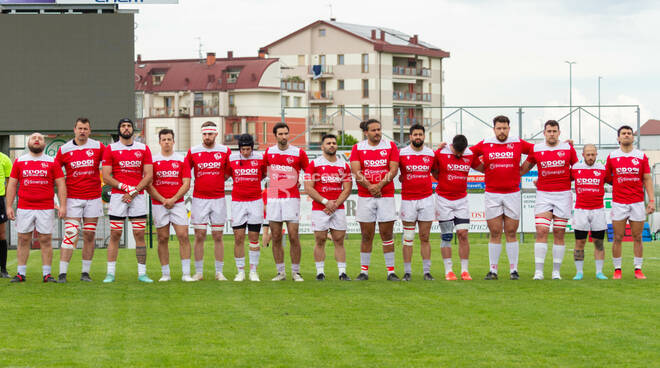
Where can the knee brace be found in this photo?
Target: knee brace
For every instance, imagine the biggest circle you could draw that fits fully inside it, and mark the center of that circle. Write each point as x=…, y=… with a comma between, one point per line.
x=139, y=224
x=198, y=226
x=116, y=225
x=560, y=223
x=542, y=221
x=408, y=235
x=217, y=228
x=447, y=230
x=89, y=226
x=71, y=232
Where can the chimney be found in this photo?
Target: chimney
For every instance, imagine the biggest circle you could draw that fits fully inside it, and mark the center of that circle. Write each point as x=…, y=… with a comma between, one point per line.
x=373, y=34
x=230, y=55
x=382, y=35
x=262, y=53
x=210, y=58
x=139, y=59
x=413, y=40
x=333, y=19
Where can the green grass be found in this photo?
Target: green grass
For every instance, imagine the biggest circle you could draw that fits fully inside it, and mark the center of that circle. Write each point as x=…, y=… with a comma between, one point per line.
x=376, y=323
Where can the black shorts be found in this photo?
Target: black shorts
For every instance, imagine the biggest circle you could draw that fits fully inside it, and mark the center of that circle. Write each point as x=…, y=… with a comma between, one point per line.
x=3, y=210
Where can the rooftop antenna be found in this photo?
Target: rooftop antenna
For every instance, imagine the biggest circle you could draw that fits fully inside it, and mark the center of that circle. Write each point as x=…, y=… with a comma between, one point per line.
x=199, y=47
x=331, y=17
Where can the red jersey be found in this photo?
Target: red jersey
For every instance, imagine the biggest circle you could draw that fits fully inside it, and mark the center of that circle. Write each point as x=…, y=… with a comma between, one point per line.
x=554, y=166
x=169, y=172
x=246, y=174
x=627, y=171
x=415, y=168
x=127, y=162
x=589, y=185
x=284, y=169
x=453, y=172
x=502, y=162
x=36, y=177
x=328, y=178
x=82, y=166
x=210, y=167
x=375, y=164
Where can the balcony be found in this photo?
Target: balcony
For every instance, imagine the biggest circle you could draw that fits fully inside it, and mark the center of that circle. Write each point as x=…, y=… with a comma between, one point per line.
x=407, y=121
x=413, y=97
x=202, y=110
x=320, y=124
x=411, y=72
x=320, y=97
x=232, y=111
x=293, y=86
x=326, y=71
x=162, y=112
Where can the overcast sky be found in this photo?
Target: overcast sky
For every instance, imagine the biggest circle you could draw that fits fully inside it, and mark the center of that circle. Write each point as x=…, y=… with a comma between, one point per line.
x=502, y=52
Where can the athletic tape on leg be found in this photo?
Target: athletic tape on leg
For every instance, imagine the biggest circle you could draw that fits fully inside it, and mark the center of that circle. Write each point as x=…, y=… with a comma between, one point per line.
x=216, y=227
x=542, y=221
x=117, y=225
x=560, y=223
x=89, y=226
x=408, y=236
x=139, y=225
x=71, y=231
x=199, y=226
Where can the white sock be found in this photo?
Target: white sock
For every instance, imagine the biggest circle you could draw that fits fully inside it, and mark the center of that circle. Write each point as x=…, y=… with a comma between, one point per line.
x=341, y=267
x=637, y=262
x=426, y=265
x=464, y=265
x=22, y=270
x=494, y=251
x=86, y=266
x=45, y=270
x=280, y=267
x=142, y=269
x=295, y=267
x=512, y=254
x=111, y=267
x=579, y=266
x=254, y=259
x=64, y=266
x=616, y=262
x=448, y=265
x=407, y=267
x=599, y=265
x=389, y=262
x=365, y=260
x=320, y=267
x=540, y=250
x=557, y=256
x=199, y=267
x=219, y=265
x=185, y=267
x=165, y=270
x=240, y=264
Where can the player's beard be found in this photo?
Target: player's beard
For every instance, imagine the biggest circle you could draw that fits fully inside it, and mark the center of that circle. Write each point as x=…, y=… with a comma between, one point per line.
x=417, y=143
x=34, y=149
x=329, y=152
x=126, y=135
x=589, y=163
x=502, y=137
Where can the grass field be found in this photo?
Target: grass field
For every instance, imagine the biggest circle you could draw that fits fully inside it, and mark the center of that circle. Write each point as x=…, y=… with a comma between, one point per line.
x=480, y=323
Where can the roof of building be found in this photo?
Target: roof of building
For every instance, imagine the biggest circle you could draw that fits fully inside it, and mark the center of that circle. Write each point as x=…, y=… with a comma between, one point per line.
x=651, y=127
x=386, y=39
x=198, y=75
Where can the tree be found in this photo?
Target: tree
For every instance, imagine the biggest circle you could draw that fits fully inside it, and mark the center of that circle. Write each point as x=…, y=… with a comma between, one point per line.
x=348, y=141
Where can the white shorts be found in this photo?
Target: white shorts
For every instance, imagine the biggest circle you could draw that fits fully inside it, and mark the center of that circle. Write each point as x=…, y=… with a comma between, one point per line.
x=26, y=220
x=498, y=204
x=208, y=211
x=283, y=210
x=447, y=210
x=559, y=203
x=251, y=212
x=632, y=211
x=586, y=220
x=323, y=222
x=87, y=208
x=418, y=209
x=177, y=215
x=370, y=209
x=137, y=207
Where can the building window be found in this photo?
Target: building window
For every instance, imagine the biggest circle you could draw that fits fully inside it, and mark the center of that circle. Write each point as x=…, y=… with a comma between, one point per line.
x=301, y=60
x=365, y=112
x=157, y=79
x=365, y=63
x=430, y=84
x=231, y=100
x=236, y=127
x=297, y=101
x=252, y=128
x=265, y=131
x=322, y=32
x=323, y=113
x=285, y=101
x=365, y=88
x=340, y=84
x=340, y=59
x=322, y=59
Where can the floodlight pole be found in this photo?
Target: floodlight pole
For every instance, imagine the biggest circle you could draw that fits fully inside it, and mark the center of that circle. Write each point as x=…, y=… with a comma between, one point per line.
x=570, y=96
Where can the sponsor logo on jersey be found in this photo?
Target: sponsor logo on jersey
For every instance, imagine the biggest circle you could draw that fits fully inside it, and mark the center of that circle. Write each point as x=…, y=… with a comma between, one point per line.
x=330, y=179
x=509, y=146
x=597, y=173
x=426, y=159
x=44, y=165
x=127, y=164
x=242, y=172
x=33, y=172
x=635, y=161
x=383, y=153
x=209, y=165
x=458, y=167
x=138, y=154
x=627, y=170
x=81, y=163
x=588, y=181
x=417, y=168
x=561, y=153
x=218, y=156
x=553, y=163
x=290, y=160
x=167, y=173
x=500, y=155
x=375, y=163
x=89, y=153
x=175, y=165
x=254, y=163
x=281, y=167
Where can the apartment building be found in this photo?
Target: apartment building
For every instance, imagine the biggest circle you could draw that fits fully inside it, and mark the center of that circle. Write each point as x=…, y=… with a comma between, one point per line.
x=354, y=72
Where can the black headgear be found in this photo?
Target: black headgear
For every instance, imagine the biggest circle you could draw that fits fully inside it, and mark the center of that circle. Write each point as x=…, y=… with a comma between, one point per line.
x=125, y=120
x=245, y=140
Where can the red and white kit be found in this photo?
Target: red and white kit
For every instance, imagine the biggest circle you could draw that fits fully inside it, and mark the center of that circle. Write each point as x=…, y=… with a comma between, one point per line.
x=127, y=164
x=328, y=178
x=553, y=187
x=284, y=169
x=209, y=166
x=453, y=171
x=375, y=164
x=589, y=213
x=247, y=205
x=169, y=172
x=417, y=200
x=502, y=169
x=83, y=177
x=36, y=177
x=626, y=171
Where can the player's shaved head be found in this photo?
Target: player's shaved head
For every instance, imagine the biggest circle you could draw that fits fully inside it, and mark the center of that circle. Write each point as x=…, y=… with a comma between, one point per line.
x=589, y=147
x=589, y=153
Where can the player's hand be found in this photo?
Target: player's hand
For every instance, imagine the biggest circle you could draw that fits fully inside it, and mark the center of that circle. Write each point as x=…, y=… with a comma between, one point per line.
x=650, y=208
x=61, y=212
x=168, y=203
x=332, y=206
x=327, y=211
x=442, y=145
x=374, y=190
x=10, y=213
x=126, y=198
x=534, y=181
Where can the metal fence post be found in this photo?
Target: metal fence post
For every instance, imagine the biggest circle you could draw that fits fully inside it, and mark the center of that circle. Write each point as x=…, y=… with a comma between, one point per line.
x=400, y=126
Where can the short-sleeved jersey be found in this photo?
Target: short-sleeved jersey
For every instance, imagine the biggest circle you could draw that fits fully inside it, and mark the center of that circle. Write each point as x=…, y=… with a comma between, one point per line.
x=589, y=185
x=502, y=162
x=284, y=169
x=127, y=162
x=375, y=164
x=209, y=166
x=246, y=173
x=453, y=172
x=415, y=173
x=328, y=178
x=627, y=171
x=36, y=177
x=169, y=172
x=554, y=166
x=5, y=171
x=82, y=165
